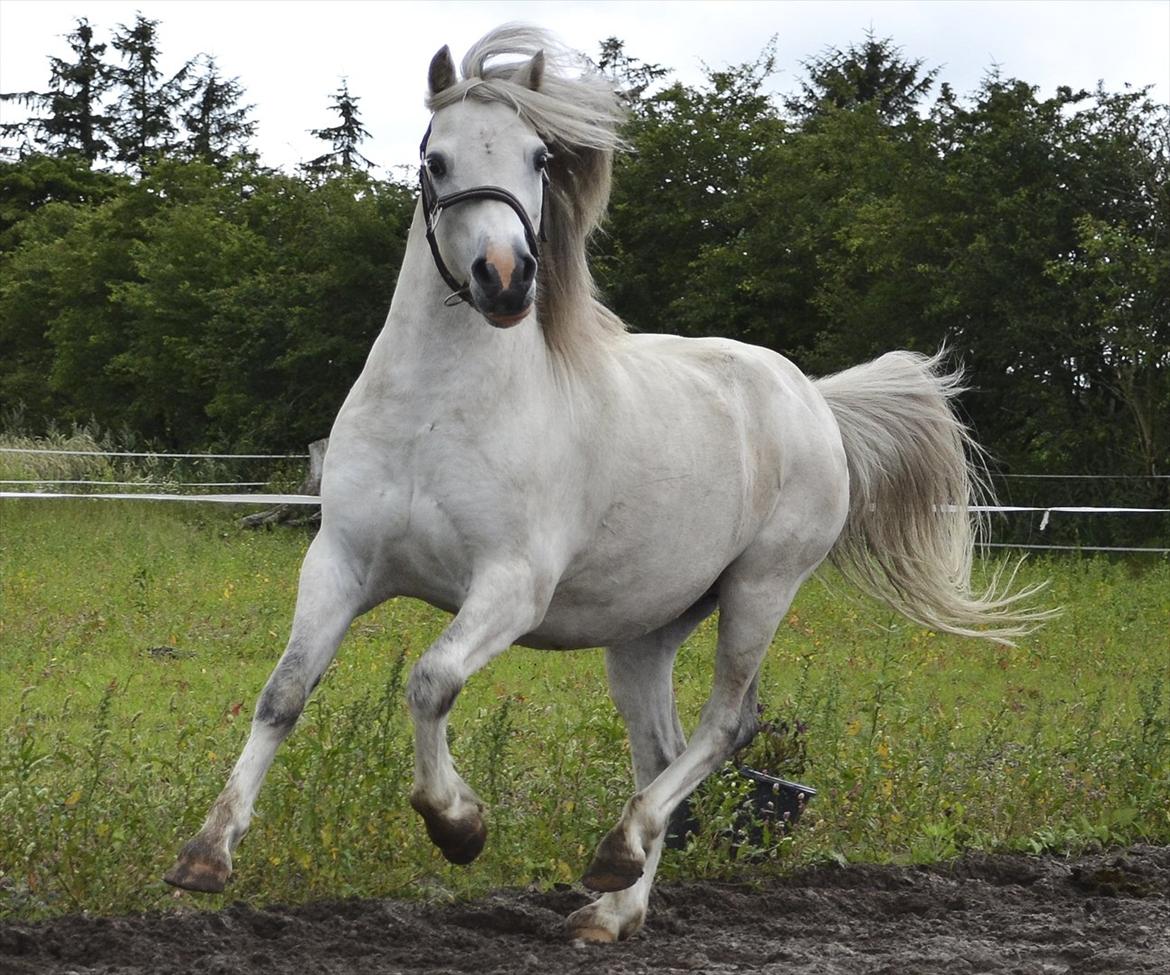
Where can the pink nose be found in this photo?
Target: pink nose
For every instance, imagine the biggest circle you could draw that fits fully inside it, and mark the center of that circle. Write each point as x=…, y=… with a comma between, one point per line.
x=502, y=279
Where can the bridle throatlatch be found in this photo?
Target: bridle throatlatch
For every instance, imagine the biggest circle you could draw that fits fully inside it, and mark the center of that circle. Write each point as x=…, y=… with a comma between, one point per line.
x=433, y=206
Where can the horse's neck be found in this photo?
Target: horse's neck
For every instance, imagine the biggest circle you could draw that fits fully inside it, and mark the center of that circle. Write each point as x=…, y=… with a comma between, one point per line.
x=432, y=349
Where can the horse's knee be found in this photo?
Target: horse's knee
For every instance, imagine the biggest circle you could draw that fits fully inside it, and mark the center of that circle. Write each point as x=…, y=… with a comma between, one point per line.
x=432, y=689
x=283, y=698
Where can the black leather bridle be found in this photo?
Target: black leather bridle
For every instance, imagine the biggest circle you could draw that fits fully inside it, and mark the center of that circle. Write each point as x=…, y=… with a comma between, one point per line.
x=433, y=206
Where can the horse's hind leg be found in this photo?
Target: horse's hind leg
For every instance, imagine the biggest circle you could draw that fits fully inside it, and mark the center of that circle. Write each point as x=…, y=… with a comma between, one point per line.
x=327, y=601
x=640, y=683
x=750, y=610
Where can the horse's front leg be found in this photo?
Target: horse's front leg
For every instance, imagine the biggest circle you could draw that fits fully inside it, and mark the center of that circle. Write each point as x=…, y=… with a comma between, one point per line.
x=328, y=599
x=501, y=606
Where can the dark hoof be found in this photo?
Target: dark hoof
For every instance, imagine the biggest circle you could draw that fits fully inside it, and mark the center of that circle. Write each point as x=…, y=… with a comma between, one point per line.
x=614, y=866
x=606, y=879
x=459, y=842
x=199, y=868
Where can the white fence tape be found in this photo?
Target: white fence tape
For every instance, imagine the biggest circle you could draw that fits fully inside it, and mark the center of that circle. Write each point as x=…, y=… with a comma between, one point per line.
x=1064, y=509
x=313, y=499
x=131, y=453
x=269, y=499
x=304, y=499
x=1090, y=477
x=308, y=499
x=128, y=453
x=1075, y=548
x=146, y=484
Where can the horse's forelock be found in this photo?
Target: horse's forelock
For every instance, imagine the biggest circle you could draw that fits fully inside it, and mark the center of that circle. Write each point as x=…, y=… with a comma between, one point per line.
x=573, y=106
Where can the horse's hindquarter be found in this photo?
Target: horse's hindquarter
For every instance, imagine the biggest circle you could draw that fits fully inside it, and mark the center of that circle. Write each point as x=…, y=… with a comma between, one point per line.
x=711, y=447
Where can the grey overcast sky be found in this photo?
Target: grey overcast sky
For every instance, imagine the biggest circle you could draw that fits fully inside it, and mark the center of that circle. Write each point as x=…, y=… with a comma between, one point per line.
x=290, y=55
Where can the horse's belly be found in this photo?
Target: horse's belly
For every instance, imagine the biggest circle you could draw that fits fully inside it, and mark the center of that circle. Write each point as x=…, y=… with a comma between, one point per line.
x=623, y=591
x=573, y=625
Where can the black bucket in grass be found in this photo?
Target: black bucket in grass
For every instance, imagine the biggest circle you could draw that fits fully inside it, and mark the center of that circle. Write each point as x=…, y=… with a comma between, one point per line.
x=773, y=804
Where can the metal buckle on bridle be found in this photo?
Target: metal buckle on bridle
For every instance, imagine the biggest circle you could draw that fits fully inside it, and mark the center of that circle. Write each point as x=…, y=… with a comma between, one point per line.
x=434, y=205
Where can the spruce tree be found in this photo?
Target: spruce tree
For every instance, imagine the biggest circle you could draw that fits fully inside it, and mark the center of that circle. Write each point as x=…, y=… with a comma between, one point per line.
x=68, y=118
x=217, y=125
x=344, y=137
x=874, y=73
x=632, y=76
x=144, y=112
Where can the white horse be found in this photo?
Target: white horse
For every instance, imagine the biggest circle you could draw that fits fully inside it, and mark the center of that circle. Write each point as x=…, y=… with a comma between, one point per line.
x=511, y=454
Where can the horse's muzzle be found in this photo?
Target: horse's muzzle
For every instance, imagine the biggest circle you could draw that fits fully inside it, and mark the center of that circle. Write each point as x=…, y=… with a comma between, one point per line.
x=503, y=285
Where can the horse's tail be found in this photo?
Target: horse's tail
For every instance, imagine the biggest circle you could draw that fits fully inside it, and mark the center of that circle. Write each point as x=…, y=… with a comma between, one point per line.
x=915, y=476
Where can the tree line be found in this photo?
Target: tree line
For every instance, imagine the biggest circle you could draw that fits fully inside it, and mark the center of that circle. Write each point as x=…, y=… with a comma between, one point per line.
x=123, y=110
x=157, y=277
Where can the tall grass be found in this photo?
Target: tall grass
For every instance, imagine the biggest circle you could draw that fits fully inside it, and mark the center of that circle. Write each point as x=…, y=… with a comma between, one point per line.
x=135, y=637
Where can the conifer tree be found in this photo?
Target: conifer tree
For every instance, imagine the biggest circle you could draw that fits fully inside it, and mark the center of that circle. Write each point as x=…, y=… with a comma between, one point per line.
x=874, y=73
x=147, y=104
x=632, y=76
x=344, y=137
x=217, y=125
x=67, y=118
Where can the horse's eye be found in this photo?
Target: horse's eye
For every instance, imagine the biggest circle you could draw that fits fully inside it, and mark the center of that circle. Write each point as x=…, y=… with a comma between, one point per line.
x=436, y=166
x=541, y=160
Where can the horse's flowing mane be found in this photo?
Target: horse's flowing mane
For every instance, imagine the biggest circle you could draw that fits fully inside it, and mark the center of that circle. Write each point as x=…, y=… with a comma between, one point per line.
x=577, y=112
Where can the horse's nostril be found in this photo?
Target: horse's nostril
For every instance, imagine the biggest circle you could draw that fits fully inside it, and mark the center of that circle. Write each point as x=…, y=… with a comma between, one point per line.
x=527, y=270
x=485, y=274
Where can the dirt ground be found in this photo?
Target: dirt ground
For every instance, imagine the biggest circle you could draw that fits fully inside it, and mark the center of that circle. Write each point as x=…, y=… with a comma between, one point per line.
x=1108, y=912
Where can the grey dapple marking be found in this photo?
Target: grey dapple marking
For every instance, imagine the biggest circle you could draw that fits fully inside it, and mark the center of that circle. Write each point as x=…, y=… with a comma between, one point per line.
x=557, y=482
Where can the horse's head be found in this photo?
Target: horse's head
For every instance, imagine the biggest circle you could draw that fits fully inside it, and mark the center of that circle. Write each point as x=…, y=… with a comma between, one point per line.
x=483, y=175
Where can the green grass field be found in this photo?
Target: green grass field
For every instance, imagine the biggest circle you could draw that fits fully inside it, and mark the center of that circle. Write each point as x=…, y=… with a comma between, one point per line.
x=135, y=637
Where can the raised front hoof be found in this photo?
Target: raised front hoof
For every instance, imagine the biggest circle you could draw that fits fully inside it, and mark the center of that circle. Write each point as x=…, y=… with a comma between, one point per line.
x=459, y=842
x=199, y=868
x=614, y=866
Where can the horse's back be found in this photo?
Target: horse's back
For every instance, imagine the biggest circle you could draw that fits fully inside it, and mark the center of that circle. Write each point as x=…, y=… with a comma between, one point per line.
x=756, y=402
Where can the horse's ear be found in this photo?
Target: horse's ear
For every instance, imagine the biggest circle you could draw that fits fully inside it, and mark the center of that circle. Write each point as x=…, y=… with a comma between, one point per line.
x=531, y=74
x=441, y=74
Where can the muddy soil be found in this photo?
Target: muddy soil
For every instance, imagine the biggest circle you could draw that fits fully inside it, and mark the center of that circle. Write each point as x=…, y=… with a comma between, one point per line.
x=1108, y=912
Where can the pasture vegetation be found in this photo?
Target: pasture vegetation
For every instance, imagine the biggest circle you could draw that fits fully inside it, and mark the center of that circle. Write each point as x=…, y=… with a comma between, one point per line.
x=135, y=638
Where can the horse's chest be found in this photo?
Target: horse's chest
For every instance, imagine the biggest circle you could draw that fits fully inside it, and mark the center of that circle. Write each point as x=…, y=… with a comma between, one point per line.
x=426, y=510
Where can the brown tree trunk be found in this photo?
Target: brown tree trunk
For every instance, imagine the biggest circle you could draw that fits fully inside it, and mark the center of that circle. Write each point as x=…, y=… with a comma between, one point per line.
x=296, y=513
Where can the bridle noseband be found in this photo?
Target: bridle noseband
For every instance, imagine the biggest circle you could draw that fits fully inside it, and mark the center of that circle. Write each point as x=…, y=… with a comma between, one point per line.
x=433, y=206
